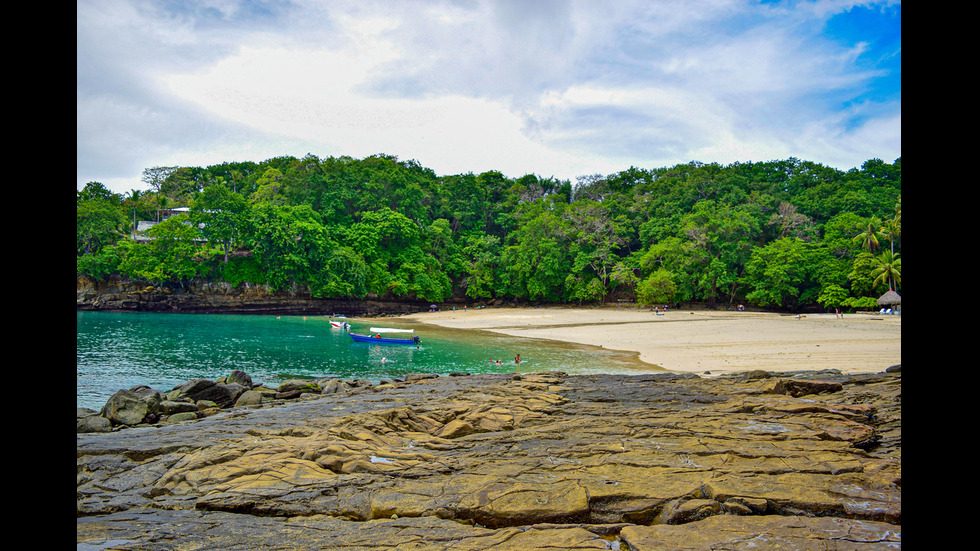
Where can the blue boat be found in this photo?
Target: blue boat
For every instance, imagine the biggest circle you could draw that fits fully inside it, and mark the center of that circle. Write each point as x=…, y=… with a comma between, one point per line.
x=357, y=337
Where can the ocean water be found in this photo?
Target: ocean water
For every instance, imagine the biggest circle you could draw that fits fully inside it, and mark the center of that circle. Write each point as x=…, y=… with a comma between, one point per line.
x=120, y=350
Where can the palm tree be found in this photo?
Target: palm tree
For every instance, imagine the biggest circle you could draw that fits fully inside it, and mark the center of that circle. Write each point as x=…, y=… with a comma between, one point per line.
x=869, y=237
x=888, y=269
x=133, y=200
x=236, y=175
x=162, y=202
x=893, y=227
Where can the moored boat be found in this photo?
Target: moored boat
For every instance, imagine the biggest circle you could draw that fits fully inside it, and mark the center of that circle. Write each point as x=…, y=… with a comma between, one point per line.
x=377, y=338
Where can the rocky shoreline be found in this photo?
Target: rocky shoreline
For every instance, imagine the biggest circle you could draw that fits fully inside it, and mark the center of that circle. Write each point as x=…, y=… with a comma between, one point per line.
x=804, y=460
x=200, y=297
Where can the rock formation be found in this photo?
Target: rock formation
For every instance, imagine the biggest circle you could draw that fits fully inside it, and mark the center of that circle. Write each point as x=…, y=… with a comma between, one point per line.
x=117, y=295
x=540, y=461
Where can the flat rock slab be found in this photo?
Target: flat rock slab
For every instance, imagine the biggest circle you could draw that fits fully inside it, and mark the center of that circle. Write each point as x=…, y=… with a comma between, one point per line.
x=532, y=461
x=765, y=532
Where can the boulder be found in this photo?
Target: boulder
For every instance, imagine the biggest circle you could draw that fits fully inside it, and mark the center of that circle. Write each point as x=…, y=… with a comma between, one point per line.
x=181, y=417
x=93, y=423
x=131, y=407
x=330, y=386
x=240, y=377
x=232, y=392
x=191, y=389
x=224, y=395
x=249, y=398
x=301, y=385
x=170, y=407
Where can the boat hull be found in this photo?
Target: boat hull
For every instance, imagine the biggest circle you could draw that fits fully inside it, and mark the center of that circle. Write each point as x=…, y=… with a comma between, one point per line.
x=357, y=337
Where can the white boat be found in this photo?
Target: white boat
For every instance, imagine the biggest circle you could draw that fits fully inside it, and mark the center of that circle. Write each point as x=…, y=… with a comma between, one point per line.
x=339, y=324
x=390, y=330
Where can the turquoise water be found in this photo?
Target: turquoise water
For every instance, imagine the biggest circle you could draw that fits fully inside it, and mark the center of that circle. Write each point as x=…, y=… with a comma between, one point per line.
x=121, y=350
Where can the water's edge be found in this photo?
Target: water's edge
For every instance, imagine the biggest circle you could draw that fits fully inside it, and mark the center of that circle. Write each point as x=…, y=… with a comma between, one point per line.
x=119, y=350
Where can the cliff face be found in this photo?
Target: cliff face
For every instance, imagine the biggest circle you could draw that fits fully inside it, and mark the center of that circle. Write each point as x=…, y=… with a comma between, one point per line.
x=117, y=295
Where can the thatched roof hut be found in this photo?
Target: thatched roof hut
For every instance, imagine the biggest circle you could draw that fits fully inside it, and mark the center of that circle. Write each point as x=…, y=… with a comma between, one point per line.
x=891, y=299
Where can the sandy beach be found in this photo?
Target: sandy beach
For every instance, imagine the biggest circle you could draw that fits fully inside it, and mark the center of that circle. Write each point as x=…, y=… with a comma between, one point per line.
x=702, y=341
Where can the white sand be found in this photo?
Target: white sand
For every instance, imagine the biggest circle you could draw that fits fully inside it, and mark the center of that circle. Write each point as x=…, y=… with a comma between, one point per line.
x=702, y=341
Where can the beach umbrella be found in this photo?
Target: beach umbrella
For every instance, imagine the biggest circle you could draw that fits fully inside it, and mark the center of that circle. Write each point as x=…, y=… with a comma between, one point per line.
x=889, y=299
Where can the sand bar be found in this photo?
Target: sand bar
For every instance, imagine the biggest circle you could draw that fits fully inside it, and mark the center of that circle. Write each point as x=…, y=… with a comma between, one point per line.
x=702, y=341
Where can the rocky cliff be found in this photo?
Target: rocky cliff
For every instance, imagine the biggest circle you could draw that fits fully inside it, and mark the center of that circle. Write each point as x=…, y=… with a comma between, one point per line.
x=116, y=295
x=539, y=461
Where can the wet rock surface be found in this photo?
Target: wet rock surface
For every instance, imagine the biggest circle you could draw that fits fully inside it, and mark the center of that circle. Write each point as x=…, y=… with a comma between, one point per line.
x=535, y=461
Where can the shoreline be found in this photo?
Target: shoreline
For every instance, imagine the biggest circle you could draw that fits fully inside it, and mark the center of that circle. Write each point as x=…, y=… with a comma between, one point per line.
x=700, y=341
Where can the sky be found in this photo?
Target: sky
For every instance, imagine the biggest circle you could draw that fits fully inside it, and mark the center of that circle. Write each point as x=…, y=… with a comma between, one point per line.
x=556, y=88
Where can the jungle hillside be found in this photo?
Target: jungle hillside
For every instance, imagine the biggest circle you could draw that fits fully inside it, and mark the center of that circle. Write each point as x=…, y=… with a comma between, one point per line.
x=784, y=235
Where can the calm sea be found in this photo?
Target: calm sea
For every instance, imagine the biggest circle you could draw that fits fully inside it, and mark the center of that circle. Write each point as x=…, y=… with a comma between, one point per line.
x=120, y=350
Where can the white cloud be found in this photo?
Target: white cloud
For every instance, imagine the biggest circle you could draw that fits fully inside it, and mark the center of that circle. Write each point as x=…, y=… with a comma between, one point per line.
x=553, y=88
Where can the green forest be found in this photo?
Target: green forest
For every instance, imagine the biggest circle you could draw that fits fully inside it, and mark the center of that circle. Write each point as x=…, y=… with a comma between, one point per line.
x=782, y=235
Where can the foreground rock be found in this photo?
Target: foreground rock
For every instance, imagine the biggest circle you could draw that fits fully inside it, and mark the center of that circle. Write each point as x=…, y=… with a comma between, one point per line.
x=198, y=398
x=514, y=462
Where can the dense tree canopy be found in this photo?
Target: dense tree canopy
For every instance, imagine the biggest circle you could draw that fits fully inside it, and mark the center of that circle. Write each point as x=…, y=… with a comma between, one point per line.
x=786, y=234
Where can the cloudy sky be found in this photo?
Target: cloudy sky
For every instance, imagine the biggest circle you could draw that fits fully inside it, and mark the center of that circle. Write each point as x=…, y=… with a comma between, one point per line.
x=559, y=88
